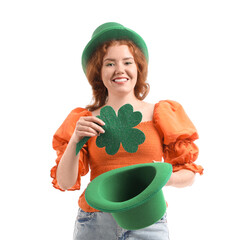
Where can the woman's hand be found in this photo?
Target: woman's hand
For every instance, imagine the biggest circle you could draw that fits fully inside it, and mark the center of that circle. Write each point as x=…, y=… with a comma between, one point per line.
x=180, y=179
x=89, y=126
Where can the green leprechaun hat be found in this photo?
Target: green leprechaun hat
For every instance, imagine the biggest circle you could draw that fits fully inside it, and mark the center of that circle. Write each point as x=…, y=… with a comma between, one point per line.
x=133, y=194
x=111, y=31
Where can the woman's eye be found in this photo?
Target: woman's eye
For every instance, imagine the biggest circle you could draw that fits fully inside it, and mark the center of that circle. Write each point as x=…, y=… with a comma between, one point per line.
x=128, y=63
x=109, y=64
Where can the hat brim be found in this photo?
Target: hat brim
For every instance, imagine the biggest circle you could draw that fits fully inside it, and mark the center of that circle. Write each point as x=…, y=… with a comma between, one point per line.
x=115, y=33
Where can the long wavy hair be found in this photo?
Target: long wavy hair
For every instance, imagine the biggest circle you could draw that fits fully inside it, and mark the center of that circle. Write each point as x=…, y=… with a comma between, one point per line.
x=93, y=73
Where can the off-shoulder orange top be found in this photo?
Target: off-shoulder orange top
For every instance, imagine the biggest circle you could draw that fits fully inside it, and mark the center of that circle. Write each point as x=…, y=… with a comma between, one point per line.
x=169, y=135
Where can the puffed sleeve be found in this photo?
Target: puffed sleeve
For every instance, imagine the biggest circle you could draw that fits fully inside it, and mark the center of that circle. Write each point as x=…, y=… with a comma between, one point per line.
x=60, y=142
x=178, y=134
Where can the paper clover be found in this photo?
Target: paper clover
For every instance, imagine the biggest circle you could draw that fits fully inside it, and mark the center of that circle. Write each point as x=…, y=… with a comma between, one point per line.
x=118, y=129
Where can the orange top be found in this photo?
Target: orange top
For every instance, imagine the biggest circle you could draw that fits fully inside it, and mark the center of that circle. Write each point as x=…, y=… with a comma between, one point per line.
x=169, y=135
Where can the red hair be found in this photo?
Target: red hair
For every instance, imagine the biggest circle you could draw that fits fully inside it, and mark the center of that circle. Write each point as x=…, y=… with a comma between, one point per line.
x=93, y=73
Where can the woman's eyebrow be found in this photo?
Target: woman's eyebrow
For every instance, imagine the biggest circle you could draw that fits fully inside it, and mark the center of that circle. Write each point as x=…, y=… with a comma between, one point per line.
x=128, y=58
x=112, y=59
x=109, y=59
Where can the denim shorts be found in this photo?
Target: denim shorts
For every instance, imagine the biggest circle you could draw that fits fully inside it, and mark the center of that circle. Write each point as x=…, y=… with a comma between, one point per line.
x=102, y=226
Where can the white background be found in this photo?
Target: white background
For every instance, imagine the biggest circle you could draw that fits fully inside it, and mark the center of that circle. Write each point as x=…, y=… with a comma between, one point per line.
x=193, y=60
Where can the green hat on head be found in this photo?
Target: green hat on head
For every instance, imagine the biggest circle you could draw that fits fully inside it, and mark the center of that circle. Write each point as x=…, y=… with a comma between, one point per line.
x=111, y=31
x=133, y=194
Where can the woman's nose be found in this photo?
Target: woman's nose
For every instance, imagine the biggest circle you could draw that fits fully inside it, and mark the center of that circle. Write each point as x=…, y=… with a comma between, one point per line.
x=119, y=69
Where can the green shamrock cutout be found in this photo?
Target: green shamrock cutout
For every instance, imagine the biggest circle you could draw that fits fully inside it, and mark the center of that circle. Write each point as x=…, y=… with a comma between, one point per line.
x=118, y=129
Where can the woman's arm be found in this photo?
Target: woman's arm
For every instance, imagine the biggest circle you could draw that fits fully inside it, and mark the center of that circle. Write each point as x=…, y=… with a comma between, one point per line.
x=181, y=178
x=67, y=171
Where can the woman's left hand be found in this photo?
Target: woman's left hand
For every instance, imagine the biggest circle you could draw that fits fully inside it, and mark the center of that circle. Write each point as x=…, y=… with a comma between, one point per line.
x=180, y=179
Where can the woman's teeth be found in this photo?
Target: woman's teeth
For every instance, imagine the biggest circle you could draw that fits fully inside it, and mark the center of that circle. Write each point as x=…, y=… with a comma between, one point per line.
x=121, y=80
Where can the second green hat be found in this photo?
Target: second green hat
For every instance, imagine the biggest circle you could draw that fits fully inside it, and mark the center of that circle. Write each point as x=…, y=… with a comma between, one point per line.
x=132, y=194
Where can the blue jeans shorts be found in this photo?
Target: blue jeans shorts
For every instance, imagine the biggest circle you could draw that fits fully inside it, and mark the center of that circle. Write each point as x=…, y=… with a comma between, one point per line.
x=102, y=226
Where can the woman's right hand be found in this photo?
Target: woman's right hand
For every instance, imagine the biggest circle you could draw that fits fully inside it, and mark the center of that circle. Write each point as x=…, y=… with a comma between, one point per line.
x=88, y=126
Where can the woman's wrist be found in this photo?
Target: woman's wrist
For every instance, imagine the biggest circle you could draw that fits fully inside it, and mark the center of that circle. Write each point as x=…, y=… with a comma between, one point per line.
x=181, y=178
x=75, y=139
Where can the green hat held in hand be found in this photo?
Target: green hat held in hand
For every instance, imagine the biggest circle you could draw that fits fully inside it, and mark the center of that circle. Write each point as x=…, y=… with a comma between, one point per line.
x=118, y=129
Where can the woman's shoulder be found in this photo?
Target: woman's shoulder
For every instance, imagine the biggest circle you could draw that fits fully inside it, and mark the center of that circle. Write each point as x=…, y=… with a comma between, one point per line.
x=79, y=110
x=151, y=110
x=161, y=103
x=76, y=113
x=167, y=104
x=167, y=109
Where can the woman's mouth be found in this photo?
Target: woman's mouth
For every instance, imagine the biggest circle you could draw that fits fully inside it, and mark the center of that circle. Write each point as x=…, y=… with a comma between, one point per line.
x=120, y=80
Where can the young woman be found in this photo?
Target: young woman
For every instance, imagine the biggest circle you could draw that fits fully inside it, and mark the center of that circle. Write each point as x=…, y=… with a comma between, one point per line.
x=115, y=62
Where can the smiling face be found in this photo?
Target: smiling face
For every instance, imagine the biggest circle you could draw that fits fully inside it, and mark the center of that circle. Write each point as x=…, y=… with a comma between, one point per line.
x=119, y=70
